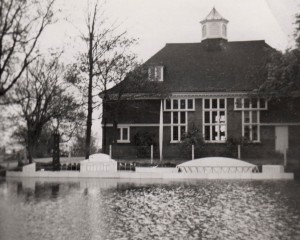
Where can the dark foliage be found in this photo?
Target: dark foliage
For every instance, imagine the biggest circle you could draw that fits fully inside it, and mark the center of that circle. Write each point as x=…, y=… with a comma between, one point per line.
x=192, y=137
x=143, y=140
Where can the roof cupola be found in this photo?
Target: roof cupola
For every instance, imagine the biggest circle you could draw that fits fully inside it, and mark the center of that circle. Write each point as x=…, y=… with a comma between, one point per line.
x=214, y=26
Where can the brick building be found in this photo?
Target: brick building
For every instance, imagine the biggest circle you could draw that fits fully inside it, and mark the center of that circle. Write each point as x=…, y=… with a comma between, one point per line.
x=210, y=86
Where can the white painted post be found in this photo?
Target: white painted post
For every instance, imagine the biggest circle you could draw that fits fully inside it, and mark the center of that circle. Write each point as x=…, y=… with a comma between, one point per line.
x=285, y=157
x=239, y=151
x=151, y=154
x=193, y=152
x=110, y=151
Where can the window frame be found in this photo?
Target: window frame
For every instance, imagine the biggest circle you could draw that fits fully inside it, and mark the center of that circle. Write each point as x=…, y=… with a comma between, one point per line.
x=251, y=110
x=120, y=137
x=179, y=110
x=178, y=124
x=179, y=105
x=211, y=124
x=156, y=70
x=250, y=124
x=250, y=104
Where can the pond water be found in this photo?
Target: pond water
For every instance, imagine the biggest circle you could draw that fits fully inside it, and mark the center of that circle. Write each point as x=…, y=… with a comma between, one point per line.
x=121, y=209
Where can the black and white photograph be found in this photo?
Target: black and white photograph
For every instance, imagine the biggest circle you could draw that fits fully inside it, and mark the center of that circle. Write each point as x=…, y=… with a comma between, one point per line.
x=149, y=119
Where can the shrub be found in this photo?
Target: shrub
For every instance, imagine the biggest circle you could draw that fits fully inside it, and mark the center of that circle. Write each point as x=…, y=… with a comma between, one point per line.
x=143, y=140
x=192, y=137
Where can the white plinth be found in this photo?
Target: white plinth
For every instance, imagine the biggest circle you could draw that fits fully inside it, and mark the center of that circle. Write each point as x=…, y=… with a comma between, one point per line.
x=155, y=170
x=28, y=169
x=272, y=169
x=98, y=163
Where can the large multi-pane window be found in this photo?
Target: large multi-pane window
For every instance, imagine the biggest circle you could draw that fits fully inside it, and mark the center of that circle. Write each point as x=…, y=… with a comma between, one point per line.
x=214, y=120
x=250, y=108
x=178, y=125
x=250, y=104
x=179, y=108
x=251, y=128
x=179, y=104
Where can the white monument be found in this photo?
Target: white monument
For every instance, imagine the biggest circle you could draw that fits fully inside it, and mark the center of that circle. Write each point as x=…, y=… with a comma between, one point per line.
x=98, y=163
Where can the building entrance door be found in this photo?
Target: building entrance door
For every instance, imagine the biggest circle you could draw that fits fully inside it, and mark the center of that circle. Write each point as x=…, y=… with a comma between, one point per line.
x=282, y=140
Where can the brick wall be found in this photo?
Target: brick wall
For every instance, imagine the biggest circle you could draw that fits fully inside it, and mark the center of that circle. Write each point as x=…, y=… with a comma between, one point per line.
x=147, y=111
x=134, y=111
x=282, y=110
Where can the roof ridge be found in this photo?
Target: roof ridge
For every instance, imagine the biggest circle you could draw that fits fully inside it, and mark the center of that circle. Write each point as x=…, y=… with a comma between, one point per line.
x=260, y=40
x=183, y=43
x=238, y=41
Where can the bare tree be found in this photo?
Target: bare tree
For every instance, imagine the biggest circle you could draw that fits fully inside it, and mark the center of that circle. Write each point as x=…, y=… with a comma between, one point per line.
x=21, y=25
x=44, y=98
x=78, y=147
x=105, y=63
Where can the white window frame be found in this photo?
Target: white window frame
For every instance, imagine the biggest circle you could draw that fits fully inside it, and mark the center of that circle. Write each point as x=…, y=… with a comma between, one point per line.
x=121, y=140
x=251, y=109
x=161, y=69
x=179, y=109
x=156, y=70
x=179, y=125
x=210, y=124
x=250, y=124
x=250, y=104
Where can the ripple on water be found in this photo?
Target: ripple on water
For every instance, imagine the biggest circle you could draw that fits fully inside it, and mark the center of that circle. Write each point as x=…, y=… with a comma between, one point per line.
x=110, y=209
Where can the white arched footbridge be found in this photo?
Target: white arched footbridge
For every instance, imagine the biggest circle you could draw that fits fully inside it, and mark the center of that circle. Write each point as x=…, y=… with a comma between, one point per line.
x=217, y=165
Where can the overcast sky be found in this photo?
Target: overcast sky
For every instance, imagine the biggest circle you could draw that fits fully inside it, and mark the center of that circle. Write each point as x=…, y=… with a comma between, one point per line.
x=157, y=22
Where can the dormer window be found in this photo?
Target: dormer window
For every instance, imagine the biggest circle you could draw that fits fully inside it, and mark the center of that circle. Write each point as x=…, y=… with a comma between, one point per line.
x=156, y=73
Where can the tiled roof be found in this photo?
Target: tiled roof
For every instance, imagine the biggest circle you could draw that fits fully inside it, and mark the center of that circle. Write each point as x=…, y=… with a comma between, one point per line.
x=213, y=65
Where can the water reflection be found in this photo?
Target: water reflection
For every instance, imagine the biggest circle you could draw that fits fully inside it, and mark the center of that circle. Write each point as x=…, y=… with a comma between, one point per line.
x=142, y=209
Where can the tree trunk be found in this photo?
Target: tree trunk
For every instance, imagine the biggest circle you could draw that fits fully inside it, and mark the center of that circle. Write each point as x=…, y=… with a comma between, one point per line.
x=104, y=132
x=30, y=150
x=56, y=152
x=29, y=153
x=104, y=146
x=30, y=146
x=115, y=131
x=32, y=139
x=90, y=100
